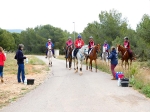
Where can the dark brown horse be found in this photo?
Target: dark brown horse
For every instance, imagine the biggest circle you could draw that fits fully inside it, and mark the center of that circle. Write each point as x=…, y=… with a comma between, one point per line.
x=93, y=56
x=125, y=56
x=69, y=57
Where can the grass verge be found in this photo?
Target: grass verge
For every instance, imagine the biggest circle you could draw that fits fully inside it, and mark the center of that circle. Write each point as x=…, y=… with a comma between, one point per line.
x=11, y=90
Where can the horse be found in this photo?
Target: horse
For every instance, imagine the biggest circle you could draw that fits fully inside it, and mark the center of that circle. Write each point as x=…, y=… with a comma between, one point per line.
x=125, y=56
x=69, y=56
x=93, y=56
x=105, y=54
x=80, y=56
x=49, y=55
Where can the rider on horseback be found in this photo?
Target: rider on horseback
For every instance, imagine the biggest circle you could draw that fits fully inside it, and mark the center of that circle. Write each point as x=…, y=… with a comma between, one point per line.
x=78, y=44
x=69, y=43
x=106, y=47
x=127, y=46
x=91, y=44
x=49, y=43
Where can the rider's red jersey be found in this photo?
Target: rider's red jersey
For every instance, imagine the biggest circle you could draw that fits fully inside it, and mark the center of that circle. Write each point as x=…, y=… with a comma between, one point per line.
x=127, y=44
x=69, y=42
x=79, y=43
x=91, y=44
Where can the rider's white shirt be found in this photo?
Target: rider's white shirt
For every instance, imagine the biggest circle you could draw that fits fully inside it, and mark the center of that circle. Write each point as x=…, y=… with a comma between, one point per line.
x=104, y=48
x=49, y=47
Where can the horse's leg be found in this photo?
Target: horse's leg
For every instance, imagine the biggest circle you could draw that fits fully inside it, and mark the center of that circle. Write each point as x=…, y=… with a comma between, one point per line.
x=66, y=63
x=74, y=63
x=70, y=62
x=81, y=68
x=86, y=63
x=96, y=65
x=122, y=62
x=91, y=65
x=51, y=62
x=76, y=70
x=128, y=64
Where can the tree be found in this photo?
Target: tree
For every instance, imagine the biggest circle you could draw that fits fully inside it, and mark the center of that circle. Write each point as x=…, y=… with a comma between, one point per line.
x=7, y=40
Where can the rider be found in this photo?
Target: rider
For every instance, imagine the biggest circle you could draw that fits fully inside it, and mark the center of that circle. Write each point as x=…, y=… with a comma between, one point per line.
x=91, y=43
x=69, y=42
x=52, y=45
x=78, y=44
x=127, y=46
x=106, y=47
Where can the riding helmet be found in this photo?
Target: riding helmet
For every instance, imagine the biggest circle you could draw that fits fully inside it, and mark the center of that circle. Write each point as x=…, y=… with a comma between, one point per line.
x=79, y=36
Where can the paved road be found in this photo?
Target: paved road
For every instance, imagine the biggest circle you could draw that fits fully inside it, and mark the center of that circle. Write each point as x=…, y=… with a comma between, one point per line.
x=65, y=91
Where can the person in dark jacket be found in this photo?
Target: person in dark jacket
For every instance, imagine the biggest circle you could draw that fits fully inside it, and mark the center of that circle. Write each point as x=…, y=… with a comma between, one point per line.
x=20, y=61
x=114, y=61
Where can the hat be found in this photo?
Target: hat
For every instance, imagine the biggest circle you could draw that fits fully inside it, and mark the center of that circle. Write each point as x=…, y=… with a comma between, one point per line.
x=69, y=37
x=90, y=37
x=49, y=39
x=125, y=37
x=112, y=48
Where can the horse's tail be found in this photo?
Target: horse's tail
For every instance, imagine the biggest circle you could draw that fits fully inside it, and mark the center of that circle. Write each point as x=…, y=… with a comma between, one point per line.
x=133, y=56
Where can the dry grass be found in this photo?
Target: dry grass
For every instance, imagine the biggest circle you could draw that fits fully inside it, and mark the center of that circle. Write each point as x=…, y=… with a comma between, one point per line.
x=10, y=90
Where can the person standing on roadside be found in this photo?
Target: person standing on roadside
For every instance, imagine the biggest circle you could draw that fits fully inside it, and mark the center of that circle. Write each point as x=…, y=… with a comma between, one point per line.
x=20, y=61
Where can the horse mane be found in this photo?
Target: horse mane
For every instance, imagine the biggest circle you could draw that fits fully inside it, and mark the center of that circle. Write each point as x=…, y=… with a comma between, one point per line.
x=122, y=47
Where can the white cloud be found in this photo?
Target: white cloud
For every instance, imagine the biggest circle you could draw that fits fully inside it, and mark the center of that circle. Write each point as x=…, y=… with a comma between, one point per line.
x=62, y=13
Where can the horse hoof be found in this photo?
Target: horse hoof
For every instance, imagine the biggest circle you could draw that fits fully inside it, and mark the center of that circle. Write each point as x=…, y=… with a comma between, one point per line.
x=69, y=68
x=80, y=73
x=76, y=71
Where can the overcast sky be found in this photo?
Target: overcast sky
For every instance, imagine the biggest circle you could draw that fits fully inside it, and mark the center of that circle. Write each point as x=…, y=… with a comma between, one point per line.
x=21, y=14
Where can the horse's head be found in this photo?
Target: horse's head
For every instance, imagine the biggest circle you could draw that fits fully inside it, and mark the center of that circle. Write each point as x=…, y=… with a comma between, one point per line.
x=120, y=48
x=97, y=47
x=84, y=49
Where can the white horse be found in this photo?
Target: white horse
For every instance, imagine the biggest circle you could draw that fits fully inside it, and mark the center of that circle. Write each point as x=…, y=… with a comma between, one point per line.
x=49, y=55
x=105, y=54
x=80, y=56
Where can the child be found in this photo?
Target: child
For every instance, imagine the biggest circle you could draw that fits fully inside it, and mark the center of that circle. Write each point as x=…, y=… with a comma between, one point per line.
x=2, y=59
x=114, y=61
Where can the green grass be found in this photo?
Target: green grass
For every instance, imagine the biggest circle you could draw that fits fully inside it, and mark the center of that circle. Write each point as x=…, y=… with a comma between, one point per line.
x=35, y=61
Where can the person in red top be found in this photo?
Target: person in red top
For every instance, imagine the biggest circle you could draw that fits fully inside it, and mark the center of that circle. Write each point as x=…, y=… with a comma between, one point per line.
x=69, y=43
x=127, y=46
x=78, y=44
x=91, y=44
x=2, y=59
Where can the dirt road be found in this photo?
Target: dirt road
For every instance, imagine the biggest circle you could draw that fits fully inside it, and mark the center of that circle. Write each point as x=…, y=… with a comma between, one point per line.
x=65, y=91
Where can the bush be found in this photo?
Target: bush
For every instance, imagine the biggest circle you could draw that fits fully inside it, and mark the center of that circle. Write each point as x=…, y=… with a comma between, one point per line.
x=146, y=90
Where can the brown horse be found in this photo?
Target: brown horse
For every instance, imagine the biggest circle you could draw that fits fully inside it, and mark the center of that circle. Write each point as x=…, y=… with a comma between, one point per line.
x=125, y=56
x=69, y=56
x=93, y=56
